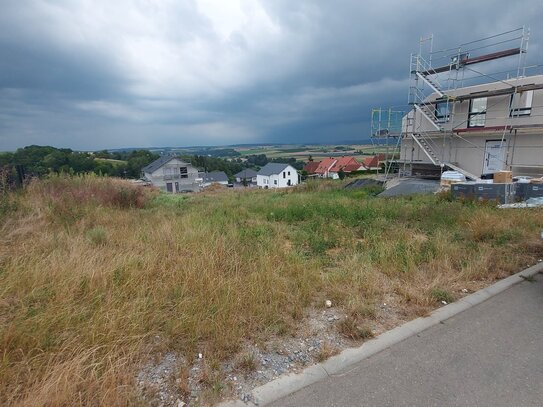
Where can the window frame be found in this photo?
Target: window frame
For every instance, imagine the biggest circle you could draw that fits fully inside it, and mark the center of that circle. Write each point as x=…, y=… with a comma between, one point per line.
x=479, y=115
x=521, y=111
x=445, y=117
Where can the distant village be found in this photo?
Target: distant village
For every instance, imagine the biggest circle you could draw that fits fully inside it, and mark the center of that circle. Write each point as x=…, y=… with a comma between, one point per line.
x=174, y=175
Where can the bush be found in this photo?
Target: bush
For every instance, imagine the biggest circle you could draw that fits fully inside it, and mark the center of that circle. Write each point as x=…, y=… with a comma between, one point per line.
x=439, y=294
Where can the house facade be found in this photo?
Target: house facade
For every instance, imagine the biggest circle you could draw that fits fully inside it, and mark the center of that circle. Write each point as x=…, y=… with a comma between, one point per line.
x=325, y=166
x=277, y=175
x=171, y=174
x=214, y=177
x=479, y=129
x=247, y=175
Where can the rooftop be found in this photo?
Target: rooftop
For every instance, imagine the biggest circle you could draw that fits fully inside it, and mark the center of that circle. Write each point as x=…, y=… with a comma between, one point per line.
x=215, y=176
x=155, y=165
x=272, y=168
x=246, y=173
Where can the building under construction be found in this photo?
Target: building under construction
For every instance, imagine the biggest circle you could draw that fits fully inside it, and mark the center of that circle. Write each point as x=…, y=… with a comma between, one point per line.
x=474, y=109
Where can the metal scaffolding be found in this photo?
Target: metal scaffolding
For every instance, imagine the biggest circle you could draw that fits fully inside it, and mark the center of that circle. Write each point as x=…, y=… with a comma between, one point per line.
x=435, y=77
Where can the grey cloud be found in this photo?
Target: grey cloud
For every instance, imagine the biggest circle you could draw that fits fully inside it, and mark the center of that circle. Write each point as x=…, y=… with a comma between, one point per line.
x=109, y=74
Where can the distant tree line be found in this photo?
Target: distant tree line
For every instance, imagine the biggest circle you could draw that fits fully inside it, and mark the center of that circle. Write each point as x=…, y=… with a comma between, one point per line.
x=260, y=160
x=37, y=161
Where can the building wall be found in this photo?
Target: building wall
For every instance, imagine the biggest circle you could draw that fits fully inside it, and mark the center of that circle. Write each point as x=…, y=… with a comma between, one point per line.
x=523, y=138
x=523, y=151
x=498, y=108
x=278, y=180
x=253, y=179
x=171, y=173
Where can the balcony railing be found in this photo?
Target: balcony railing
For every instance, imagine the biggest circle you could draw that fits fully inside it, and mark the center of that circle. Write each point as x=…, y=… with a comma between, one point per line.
x=185, y=177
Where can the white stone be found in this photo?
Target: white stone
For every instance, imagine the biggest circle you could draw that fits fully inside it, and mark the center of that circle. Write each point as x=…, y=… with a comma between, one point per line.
x=328, y=303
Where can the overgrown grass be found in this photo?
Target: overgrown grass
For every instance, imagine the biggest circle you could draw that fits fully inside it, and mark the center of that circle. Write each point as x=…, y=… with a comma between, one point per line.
x=97, y=275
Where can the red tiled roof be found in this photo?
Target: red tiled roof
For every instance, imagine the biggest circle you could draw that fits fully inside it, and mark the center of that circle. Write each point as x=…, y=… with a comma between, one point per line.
x=311, y=167
x=347, y=164
x=324, y=165
x=371, y=162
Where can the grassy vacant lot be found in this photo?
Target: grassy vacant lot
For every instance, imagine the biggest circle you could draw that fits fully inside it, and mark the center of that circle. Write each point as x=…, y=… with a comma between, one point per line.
x=96, y=275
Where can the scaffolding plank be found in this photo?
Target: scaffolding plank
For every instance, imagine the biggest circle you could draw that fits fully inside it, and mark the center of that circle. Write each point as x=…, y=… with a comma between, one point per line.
x=475, y=60
x=492, y=56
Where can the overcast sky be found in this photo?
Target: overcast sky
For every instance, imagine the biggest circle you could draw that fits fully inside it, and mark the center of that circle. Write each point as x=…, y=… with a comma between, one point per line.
x=93, y=74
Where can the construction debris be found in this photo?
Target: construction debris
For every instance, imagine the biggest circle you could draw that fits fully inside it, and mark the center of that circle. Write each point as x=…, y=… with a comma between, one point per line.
x=529, y=203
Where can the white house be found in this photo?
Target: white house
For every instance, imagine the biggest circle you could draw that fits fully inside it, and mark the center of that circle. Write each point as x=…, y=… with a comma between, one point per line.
x=277, y=175
x=171, y=174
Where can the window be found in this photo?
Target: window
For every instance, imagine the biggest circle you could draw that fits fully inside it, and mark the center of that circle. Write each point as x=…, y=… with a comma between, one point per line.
x=442, y=112
x=521, y=103
x=477, y=112
x=184, y=172
x=275, y=182
x=289, y=173
x=284, y=174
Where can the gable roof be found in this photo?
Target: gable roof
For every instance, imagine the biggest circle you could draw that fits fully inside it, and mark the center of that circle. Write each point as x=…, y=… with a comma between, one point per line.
x=325, y=165
x=155, y=165
x=311, y=166
x=371, y=162
x=246, y=173
x=346, y=164
x=272, y=168
x=215, y=176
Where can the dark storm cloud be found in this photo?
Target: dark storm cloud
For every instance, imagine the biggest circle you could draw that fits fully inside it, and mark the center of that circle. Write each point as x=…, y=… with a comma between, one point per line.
x=95, y=74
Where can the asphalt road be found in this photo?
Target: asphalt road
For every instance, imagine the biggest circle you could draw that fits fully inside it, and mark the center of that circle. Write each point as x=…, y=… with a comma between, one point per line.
x=489, y=355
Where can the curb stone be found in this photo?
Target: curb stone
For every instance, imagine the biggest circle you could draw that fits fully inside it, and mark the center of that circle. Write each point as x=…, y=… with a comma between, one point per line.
x=336, y=365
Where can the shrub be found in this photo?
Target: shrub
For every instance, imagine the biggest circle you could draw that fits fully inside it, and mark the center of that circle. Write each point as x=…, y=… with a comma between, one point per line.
x=440, y=294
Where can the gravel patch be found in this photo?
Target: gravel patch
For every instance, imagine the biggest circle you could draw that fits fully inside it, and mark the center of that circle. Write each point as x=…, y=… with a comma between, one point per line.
x=317, y=339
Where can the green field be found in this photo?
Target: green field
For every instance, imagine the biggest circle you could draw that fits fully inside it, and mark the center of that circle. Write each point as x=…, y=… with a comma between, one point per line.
x=302, y=152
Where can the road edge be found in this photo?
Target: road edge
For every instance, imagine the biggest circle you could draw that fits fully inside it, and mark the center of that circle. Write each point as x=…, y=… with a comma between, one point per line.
x=291, y=383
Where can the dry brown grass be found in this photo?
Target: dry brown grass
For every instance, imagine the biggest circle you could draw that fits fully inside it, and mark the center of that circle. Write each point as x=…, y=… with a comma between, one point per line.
x=326, y=351
x=81, y=310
